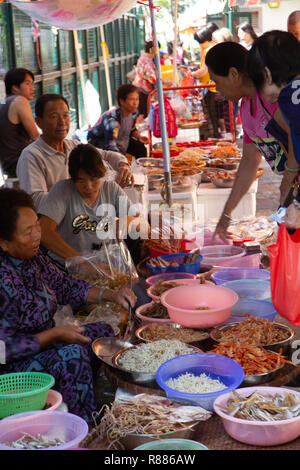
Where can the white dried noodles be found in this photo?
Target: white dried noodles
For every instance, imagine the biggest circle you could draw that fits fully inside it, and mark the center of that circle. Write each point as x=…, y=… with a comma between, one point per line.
x=190, y=383
x=148, y=357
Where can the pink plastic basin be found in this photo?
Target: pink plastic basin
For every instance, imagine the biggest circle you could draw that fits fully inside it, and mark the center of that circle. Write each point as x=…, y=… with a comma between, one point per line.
x=259, y=433
x=192, y=282
x=54, y=398
x=139, y=313
x=182, y=303
x=70, y=428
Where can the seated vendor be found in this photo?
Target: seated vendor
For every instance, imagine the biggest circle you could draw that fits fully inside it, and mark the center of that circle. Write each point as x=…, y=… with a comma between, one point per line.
x=31, y=288
x=75, y=206
x=116, y=129
x=45, y=162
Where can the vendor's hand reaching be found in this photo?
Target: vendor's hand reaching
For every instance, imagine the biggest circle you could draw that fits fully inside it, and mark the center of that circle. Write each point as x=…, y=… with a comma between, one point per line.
x=222, y=230
x=125, y=177
x=70, y=334
x=124, y=297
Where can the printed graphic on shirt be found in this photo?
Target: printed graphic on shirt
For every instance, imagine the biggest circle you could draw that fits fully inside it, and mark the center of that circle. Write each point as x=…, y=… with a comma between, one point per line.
x=82, y=222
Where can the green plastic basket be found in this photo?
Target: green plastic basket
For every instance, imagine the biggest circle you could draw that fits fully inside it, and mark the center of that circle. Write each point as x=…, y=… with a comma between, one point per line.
x=23, y=391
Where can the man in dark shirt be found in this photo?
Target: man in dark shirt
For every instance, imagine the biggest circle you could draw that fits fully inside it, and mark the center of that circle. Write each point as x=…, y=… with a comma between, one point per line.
x=17, y=126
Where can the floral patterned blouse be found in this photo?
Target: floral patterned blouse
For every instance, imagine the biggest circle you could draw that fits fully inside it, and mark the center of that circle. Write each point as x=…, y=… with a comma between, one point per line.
x=146, y=74
x=30, y=291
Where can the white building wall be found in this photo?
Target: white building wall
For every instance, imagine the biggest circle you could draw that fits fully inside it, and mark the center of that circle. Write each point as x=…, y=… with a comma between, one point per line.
x=274, y=18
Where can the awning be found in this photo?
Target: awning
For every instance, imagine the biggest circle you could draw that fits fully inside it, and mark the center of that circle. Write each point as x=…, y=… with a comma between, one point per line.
x=246, y=3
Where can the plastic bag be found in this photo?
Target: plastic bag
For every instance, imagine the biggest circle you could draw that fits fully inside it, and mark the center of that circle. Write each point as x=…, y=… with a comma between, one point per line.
x=170, y=119
x=285, y=274
x=179, y=106
x=111, y=266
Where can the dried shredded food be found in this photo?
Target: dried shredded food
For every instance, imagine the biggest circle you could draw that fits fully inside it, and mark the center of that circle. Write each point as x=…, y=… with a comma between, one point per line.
x=148, y=357
x=146, y=415
x=253, y=331
x=162, y=286
x=190, y=383
x=156, y=310
x=253, y=359
x=156, y=331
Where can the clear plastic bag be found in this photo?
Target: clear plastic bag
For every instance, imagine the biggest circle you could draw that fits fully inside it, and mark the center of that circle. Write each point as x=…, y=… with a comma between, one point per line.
x=111, y=266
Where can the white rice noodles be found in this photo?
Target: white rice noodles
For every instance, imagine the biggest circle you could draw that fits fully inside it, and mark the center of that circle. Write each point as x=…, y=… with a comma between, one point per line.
x=190, y=383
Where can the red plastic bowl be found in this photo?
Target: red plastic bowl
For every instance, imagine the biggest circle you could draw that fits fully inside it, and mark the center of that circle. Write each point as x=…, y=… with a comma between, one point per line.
x=187, y=246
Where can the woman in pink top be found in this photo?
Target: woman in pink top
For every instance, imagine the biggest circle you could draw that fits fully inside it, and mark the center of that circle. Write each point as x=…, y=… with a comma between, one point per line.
x=226, y=63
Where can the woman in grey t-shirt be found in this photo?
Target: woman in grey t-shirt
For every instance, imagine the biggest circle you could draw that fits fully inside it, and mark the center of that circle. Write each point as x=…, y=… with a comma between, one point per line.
x=75, y=206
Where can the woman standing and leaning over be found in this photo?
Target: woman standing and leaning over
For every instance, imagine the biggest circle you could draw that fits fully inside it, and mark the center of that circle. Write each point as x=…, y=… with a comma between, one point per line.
x=274, y=66
x=31, y=288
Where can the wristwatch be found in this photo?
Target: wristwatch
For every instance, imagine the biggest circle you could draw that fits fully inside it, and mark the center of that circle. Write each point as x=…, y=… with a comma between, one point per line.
x=296, y=204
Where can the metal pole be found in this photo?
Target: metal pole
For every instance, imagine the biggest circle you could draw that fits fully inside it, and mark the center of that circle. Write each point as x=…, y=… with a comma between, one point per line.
x=162, y=116
x=104, y=52
x=81, y=76
x=175, y=43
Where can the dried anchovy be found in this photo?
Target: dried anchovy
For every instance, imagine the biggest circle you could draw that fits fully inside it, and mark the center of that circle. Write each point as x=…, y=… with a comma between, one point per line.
x=29, y=442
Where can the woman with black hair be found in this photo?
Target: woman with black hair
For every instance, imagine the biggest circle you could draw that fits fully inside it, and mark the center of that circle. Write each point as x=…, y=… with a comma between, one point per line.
x=227, y=65
x=274, y=66
x=75, y=206
x=247, y=35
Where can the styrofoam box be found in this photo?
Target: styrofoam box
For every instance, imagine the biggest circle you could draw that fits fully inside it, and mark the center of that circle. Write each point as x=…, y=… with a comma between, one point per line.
x=211, y=201
x=188, y=197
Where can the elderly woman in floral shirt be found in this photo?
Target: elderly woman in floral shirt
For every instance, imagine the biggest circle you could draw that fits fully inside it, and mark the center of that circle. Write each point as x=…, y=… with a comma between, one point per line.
x=31, y=288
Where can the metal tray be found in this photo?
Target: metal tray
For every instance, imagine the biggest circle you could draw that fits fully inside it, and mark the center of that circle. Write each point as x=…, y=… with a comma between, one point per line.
x=222, y=182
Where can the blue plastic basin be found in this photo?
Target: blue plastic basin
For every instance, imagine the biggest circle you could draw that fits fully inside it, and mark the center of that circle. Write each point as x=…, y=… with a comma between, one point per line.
x=234, y=274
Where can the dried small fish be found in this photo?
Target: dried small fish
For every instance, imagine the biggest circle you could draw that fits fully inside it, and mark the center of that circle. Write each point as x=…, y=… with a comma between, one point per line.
x=29, y=442
x=262, y=407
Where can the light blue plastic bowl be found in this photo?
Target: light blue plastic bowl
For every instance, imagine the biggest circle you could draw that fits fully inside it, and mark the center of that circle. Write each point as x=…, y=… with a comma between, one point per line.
x=251, y=289
x=229, y=372
x=234, y=274
x=256, y=308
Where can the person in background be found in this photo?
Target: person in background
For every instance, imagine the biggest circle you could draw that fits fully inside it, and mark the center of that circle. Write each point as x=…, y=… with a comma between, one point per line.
x=45, y=161
x=246, y=35
x=224, y=35
x=17, y=126
x=116, y=129
x=213, y=108
x=146, y=76
x=31, y=289
x=274, y=66
x=293, y=24
x=227, y=65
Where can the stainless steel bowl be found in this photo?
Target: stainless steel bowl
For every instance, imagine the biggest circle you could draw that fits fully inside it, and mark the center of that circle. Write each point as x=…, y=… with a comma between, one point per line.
x=134, y=376
x=131, y=441
x=139, y=332
x=258, y=379
x=150, y=163
x=283, y=345
x=197, y=177
x=222, y=182
x=108, y=346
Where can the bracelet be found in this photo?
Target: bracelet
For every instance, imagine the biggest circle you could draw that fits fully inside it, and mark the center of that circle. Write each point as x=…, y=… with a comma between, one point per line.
x=227, y=216
x=292, y=170
x=101, y=293
x=296, y=204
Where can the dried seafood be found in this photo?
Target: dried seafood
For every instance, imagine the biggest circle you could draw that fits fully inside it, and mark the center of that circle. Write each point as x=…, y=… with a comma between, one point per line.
x=156, y=310
x=262, y=406
x=254, y=360
x=29, y=442
x=157, y=331
x=189, y=258
x=146, y=415
x=162, y=286
x=253, y=331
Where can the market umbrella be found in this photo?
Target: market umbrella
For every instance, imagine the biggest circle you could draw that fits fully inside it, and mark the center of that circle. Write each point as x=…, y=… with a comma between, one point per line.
x=85, y=14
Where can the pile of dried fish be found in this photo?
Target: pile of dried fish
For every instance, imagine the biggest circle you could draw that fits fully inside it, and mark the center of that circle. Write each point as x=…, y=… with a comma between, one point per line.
x=146, y=414
x=262, y=407
x=156, y=310
x=162, y=286
x=29, y=442
x=157, y=331
x=189, y=258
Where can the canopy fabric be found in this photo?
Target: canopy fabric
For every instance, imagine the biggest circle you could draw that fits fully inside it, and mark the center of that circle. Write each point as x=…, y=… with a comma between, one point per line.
x=75, y=14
